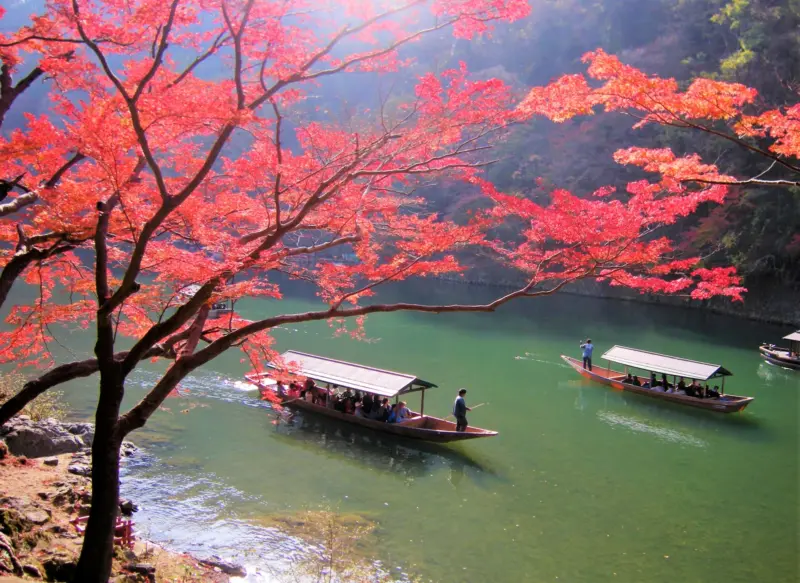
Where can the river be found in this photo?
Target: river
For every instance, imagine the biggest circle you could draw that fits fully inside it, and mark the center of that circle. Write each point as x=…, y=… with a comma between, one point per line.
x=583, y=484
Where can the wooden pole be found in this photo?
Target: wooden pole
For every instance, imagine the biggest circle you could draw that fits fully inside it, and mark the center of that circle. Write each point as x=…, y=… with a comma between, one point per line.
x=422, y=402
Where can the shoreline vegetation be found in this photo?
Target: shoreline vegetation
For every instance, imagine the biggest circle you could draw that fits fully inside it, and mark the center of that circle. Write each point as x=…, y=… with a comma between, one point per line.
x=765, y=306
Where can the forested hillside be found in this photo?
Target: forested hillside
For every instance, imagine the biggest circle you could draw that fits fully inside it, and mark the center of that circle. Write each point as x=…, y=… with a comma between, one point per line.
x=754, y=42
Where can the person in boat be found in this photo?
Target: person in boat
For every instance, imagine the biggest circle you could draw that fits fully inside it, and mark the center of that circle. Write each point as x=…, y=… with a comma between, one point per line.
x=349, y=406
x=691, y=390
x=588, y=348
x=359, y=410
x=682, y=385
x=629, y=379
x=280, y=389
x=382, y=411
x=401, y=412
x=460, y=405
x=366, y=403
x=714, y=393
x=636, y=382
x=664, y=382
x=294, y=390
x=659, y=388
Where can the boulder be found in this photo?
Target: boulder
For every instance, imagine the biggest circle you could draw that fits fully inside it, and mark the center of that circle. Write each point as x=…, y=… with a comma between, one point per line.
x=59, y=567
x=80, y=470
x=46, y=438
x=37, y=516
x=127, y=449
x=32, y=571
x=127, y=507
x=50, y=461
x=226, y=567
x=145, y=569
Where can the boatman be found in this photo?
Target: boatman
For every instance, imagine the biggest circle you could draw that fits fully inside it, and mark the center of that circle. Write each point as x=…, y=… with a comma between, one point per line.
x=588, y=347
x=460, y=411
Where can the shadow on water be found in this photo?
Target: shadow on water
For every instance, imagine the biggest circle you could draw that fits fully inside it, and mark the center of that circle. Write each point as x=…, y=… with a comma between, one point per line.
x=384, y=453
x=741, y=425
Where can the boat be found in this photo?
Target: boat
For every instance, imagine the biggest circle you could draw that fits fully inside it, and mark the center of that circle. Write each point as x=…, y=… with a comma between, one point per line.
x=329, y=373
x=663, y=365
x=786, y=357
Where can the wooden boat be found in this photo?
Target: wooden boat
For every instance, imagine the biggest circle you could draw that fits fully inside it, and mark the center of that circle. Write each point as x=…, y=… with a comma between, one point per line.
x=331, y=374
x=662, y=364
x=786, y=357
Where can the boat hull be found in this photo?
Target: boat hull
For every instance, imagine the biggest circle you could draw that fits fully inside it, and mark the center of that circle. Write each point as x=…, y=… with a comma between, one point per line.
x=425, y=427
x=779, y=357
x=612, y=378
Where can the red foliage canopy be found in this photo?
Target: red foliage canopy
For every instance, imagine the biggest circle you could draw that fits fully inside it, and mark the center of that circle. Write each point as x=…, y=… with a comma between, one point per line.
x=170, y=160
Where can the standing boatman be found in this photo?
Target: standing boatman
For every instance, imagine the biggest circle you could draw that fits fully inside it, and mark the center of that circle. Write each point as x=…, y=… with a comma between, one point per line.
x=588, y=347
x=460, y=411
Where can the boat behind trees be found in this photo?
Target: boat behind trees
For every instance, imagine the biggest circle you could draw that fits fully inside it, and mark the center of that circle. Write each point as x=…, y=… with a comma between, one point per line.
x=785, y=357
x=661, y=364
x=330, y=374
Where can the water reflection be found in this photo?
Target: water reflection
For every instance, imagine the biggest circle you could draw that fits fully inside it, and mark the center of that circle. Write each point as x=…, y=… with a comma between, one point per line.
x=410, y=459
x=741, y=425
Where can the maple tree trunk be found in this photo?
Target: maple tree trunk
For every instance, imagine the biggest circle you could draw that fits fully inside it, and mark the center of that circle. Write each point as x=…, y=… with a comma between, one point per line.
x=94, y=565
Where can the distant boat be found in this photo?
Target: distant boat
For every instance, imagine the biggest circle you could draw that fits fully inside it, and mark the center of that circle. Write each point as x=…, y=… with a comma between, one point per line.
x=330, y=374
x=786, y=357
x=652, y=362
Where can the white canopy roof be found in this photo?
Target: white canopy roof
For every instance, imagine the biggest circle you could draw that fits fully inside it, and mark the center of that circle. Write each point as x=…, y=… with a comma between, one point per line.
x=795, y=336
x=350, y=375
x=661, y=363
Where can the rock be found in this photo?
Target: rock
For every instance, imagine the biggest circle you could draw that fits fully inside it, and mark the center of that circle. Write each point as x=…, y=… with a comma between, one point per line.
x=43, y=495
x=46, y=438
x=56, y=529
x=127, y=449
x=80, y=470
x=145, y=569
x=127, y=507
x=13, y=521
x=84, y=510
x=226, y=567
x=50, y=461
x=59, y=567
x=32, y=570
x=37, y=516
x=64, y=495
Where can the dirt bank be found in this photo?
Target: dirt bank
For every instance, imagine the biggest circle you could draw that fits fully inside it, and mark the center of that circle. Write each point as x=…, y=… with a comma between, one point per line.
x=38, y=540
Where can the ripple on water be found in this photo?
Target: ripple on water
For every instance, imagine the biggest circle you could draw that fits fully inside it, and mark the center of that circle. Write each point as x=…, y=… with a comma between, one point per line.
x=662, y=433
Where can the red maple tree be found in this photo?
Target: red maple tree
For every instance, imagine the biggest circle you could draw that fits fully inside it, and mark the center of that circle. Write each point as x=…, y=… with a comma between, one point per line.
x=184, y=158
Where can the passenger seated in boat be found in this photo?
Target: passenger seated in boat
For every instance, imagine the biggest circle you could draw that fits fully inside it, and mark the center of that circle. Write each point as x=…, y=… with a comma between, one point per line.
x=658, y=388
x=381, y=412
x=691, y=390
x=280, y=389
x=628, y=379
x=636, y=382
x=366, y=404
x=682, y=386
x=665, y=382
x=359, y=411
x=338, y=404
x=309, y=397
x=392, y=414
x=349, y=406
x=401, y=412
x=294, y=390
x=713, y=393
x=646, y=385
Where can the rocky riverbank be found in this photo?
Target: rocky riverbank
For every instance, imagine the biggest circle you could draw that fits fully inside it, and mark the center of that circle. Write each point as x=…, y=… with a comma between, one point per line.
x=43, y=500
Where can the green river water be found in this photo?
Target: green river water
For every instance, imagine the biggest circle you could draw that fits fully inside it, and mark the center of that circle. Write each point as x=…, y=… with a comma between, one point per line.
x=583, y=484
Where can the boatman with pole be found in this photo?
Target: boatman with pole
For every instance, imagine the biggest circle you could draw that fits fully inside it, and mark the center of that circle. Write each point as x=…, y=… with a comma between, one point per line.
x=588, y=347
x=460, y=411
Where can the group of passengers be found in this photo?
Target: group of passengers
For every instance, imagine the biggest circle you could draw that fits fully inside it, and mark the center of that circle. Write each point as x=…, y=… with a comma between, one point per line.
x=364, y=405
x=663, y=386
